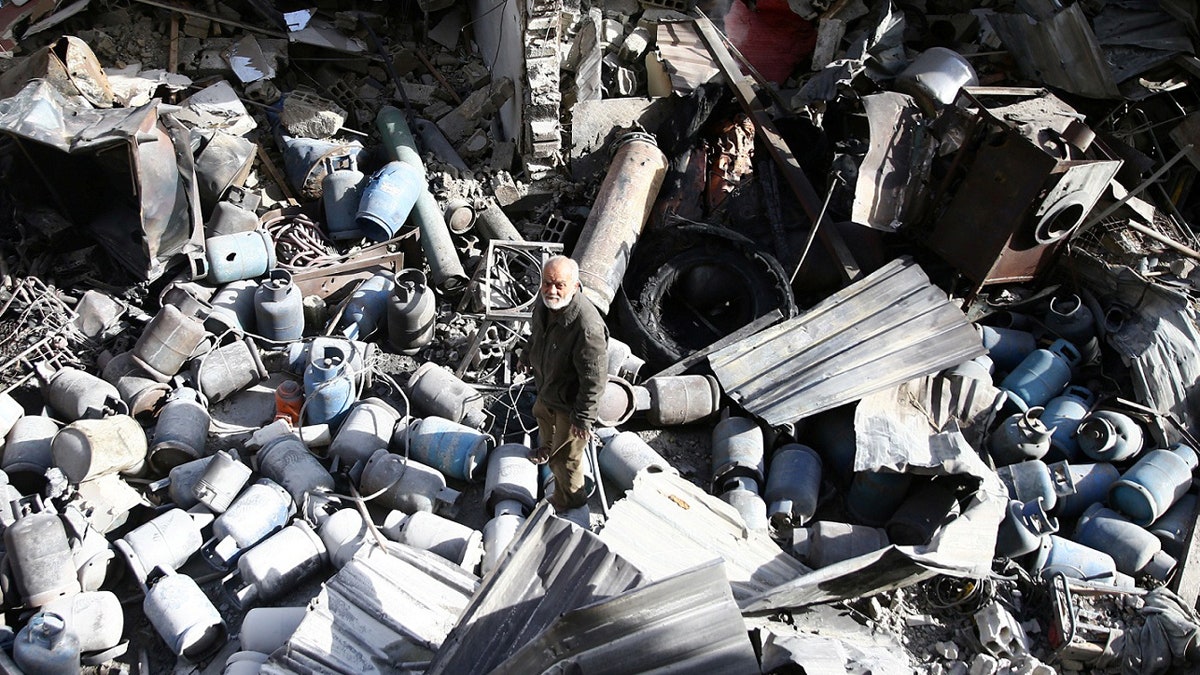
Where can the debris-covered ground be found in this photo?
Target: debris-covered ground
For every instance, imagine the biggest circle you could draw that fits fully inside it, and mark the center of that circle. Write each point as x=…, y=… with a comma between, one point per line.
x=903, y=363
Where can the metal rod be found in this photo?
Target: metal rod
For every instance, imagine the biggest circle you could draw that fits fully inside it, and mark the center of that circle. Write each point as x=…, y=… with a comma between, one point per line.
x=812, y=234
x=1134, y=192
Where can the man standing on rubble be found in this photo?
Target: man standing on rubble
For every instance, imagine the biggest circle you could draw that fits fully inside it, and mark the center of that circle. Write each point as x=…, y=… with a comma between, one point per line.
x=567, y=352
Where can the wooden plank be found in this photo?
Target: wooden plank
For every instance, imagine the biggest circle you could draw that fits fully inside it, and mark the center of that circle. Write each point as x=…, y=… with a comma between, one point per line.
x=779, y=151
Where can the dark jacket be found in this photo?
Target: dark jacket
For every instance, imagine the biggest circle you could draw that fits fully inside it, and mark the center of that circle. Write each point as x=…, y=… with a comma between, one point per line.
x=568, y=352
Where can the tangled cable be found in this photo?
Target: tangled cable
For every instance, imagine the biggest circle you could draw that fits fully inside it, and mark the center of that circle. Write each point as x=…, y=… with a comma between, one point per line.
x=299, y=242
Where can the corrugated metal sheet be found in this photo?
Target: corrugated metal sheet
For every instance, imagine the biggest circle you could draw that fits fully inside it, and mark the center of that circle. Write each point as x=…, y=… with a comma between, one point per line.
x=666, y=525
x=687, y=623
x=552, y=566
x=1060, y=50
x=379, y=613
x=890, y=327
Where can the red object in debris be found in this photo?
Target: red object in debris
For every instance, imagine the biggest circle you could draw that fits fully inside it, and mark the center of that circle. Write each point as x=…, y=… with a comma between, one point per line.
x=771, y=36
x=289, y=396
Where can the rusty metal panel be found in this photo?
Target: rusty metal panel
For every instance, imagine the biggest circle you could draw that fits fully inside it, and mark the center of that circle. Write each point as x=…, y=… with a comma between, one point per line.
x=125, y=174
x=890, y=327
x=1022, y=184
x=380, y=612
x=686, y=623
x=892, y=173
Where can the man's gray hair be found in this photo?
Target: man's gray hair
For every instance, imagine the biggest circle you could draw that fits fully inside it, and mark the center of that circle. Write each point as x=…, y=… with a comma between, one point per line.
x=572, y=266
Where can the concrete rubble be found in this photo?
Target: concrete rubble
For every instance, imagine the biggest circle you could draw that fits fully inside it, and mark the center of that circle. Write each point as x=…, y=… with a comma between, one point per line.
x=904, y=362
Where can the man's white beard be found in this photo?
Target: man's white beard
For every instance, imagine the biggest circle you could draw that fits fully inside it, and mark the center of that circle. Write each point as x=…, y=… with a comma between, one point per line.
x=560, y=303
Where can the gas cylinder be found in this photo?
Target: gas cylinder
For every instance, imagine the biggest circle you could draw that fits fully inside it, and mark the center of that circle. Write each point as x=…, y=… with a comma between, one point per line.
x=232, y=214
x=181, y=433
x=497, y=534
x=368, y=427
x=1063, y=413
x=742, y=495
x=622, y=362
x=737, y=450
x=366, y=306
x=289, y=398
x=344, y=533
x=1058, y=554
x=95, y=618
x=1134, y=549
x=1153, y=484
x=279, y=307
x=221, y=481
x=168, y=341
x=328, y=387
x=287, y=461
x=228, y=369
x=1019, y=437
x=27, y=452
x=1091, y=482
x=1042, y=375
x=510, y=476
x=259, y=511
x=1173, y=528
x=451, y=540
x=87, y=449
x=300, y=354
x=826, y=542
x=457, y=450
x=1033, y=479
x=39, y=555
x=341, y=190
x=167, y=541
x=387, y=198
x=1007, y=347
x=793, y=485
x=233, y=308
x=875, y=495
x=75, y=394
x=143, y=394
x=182, y=614
x=265, y=629
x=1069, y=318
x=624, y=455
x=682, y=399
x=618, y=402
x=277, y=565
x=440, y=393
x=1109, y=436
x=923, y=512
x=411, y=312
x=45, y=647
x=244, y=255
x=406, y=484
x=1023, y=528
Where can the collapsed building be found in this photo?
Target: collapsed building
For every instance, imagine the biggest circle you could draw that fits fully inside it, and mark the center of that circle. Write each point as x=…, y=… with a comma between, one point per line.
x=904, y=347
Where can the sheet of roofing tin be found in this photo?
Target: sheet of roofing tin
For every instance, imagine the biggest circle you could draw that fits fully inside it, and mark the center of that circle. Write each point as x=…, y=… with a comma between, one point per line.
x=888, y=328
x=379, y=613
x=551, y=567
x=666, y=525
x=686, y=623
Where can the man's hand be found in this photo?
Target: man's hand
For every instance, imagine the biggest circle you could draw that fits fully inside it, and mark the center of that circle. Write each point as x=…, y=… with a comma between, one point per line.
x=579, y=432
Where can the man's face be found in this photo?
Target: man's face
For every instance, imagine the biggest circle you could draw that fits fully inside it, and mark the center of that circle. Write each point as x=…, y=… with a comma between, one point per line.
x=558, y=286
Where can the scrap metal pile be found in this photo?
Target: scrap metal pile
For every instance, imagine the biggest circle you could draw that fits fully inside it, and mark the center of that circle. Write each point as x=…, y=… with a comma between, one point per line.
x=921, y=277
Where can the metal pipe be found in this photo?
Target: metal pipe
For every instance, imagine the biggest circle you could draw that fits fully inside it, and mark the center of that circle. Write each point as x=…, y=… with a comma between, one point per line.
x=618, y=215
